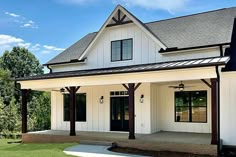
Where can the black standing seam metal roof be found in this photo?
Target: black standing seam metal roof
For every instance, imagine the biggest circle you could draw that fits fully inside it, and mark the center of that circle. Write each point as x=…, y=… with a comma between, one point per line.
x=208, y=28
x=193, y=63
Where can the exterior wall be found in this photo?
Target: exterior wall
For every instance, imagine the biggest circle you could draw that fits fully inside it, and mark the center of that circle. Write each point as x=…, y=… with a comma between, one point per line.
x=228, y=108
x=98, y=115
x=165, y=110
x=145, y=50
x=154, y=114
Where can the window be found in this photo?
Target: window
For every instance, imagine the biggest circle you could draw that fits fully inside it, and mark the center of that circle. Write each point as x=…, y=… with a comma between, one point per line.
x=80, y=107
x=121, y=50
x=191, y=106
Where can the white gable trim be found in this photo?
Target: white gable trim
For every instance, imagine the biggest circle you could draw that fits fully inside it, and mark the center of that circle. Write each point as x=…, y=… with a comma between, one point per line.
x=132, y=18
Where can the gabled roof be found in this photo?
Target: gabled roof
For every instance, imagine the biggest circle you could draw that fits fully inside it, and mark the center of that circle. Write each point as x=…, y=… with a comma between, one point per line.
x=208, y=28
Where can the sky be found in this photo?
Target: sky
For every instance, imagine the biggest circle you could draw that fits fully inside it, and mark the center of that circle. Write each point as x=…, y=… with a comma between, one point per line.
x=47, y=27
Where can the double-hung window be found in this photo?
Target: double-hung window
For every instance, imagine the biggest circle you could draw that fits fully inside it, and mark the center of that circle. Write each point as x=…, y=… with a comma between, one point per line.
x=80, y=107
x=121, y=50
x=191, y=106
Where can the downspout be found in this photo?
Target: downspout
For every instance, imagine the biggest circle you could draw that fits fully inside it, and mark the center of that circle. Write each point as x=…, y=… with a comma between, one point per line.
x=50, y=69
x=219, y=143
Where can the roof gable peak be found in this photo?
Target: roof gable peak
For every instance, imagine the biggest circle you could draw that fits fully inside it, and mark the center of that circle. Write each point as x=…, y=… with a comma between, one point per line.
x=120, y=16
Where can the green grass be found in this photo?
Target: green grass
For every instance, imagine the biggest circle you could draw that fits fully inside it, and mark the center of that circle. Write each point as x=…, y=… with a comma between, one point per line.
x=32, y=150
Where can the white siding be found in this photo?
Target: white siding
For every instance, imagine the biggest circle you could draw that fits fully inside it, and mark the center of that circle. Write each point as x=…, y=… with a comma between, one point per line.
x=98, y=115
x=228, y=108
x=145, y=50
x=166, y=112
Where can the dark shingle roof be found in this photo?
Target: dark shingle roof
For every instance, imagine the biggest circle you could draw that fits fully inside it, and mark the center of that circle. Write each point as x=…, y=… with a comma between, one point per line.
x=192, y=63
x=209, y=28
x=74, y=51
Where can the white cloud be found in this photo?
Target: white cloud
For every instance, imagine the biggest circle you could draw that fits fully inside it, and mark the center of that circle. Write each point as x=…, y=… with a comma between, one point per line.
x=168, y=5
x=22, y=21
x=12, y=14
x=29, y=24
x=7, y=40
x=53, y=48
x=25, y=45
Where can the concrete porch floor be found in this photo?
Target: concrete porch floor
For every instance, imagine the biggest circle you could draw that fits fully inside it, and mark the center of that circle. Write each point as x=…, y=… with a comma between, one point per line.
x=196, y=143
x=163, y=136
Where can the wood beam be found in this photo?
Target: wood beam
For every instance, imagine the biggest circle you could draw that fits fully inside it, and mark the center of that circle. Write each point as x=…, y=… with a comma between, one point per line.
x=122, y=19
x=115, y=20
x=136, y=87
x=121, y=23
x=24, y=94
x=214, y=104
x=126, y=87
x=207, y=83
x=131, y=111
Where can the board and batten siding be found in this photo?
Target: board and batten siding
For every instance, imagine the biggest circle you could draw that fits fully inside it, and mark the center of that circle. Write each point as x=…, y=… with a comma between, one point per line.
x=98, y=115
x=228, y=108
x=166, y=109
x=145, y=50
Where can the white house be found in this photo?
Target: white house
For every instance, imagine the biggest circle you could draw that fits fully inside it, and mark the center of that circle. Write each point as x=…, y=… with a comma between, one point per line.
x=169, y=75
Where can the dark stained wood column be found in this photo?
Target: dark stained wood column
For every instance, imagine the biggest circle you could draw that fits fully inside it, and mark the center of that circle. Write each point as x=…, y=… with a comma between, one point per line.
x=131, y=111
x=131, y=91
x=72, y=91
x=214, y=106
x=24, y=94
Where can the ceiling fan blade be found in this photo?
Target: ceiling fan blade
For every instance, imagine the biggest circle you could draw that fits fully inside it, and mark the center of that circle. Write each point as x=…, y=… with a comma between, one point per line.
x=173, y=86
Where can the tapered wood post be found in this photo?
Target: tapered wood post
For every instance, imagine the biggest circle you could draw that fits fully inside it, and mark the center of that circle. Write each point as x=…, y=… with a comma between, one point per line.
x=72, y=91
x=24, y=94
x=214, y=105
x=131, y=110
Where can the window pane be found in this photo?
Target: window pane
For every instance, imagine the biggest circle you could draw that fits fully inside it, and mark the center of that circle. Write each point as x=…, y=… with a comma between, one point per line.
x=199, y=98
x=127, y=49
x=80, y=113
x=116, y=50
x=199, y=114
x=181, y=98
x=66, y=107
x=182, y=114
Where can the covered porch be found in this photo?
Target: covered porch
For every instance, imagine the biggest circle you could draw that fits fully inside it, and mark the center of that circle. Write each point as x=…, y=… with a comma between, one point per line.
x=198, y=143
x=145, y=118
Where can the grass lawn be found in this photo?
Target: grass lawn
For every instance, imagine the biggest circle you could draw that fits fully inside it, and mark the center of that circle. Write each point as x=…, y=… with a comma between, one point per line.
x=32, y=150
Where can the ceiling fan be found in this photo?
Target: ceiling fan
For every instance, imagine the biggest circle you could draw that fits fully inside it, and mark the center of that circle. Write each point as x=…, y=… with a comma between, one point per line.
x=181, y=86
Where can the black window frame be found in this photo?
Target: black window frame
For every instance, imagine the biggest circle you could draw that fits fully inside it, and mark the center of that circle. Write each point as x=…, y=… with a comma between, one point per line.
x=64, y=119
x=190, y=107
x=121, y=50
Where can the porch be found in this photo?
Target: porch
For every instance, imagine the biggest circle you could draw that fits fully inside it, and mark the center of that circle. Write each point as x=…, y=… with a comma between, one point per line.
x=198, y=143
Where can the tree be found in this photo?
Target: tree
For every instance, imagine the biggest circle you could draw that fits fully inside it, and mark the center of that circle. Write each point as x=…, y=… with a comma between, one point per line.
x=7, y=86
x=21, y=63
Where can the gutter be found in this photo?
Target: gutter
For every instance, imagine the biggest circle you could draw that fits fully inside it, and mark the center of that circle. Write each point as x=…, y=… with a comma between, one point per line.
x=219, y=142
x=176, y=49
x=68, y=62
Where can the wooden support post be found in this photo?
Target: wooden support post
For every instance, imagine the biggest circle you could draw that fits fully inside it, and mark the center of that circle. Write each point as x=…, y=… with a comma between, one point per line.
x=131, y=90
x=24, y=94
x=214, y=104
x=72, y=91
x=131, y=110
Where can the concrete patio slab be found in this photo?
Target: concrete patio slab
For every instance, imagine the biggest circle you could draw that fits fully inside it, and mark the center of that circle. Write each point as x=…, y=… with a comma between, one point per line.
x=83, y=150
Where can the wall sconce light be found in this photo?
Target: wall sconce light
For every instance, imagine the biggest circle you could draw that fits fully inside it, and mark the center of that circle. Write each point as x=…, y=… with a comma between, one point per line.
x=62, y=90
x=141, y=98
x=101, y=100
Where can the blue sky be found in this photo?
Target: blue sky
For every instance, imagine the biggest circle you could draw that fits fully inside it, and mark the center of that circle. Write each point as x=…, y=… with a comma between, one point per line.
x=47, y=27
